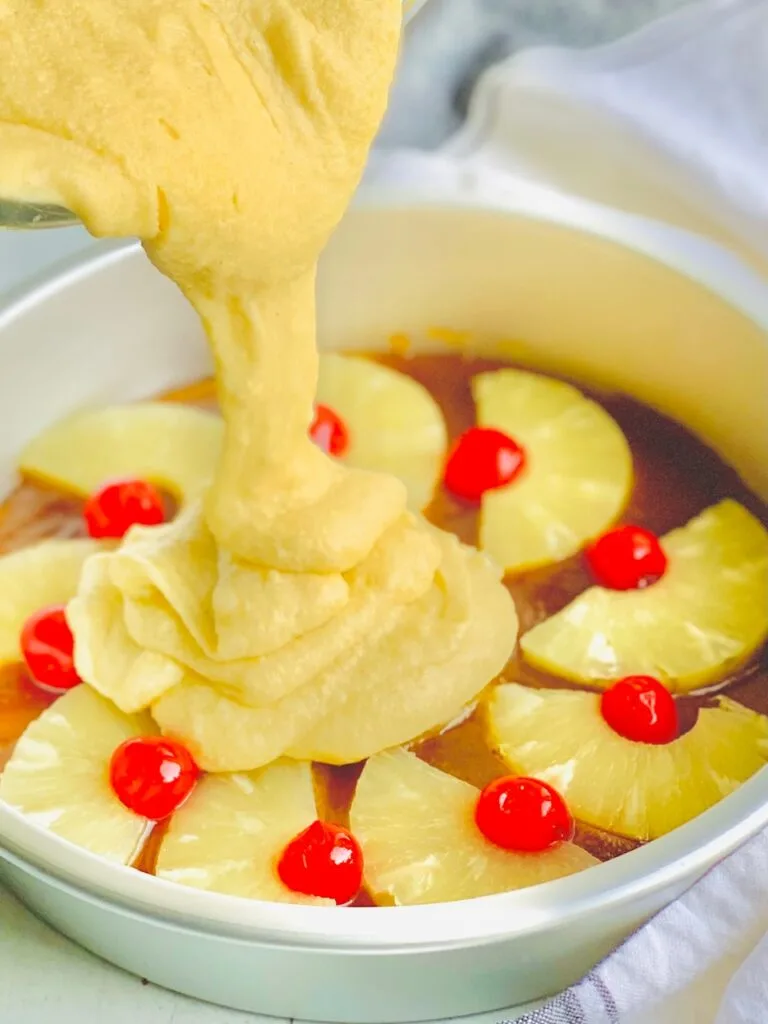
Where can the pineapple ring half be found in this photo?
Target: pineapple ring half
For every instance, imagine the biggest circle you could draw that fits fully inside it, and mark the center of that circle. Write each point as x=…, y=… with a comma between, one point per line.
x=394, y=424
x=58, y=774
x=230, y=833
x=420, y=844
x=32, y=578
x=707, y=614
x=168, y=444
x=635, y=789
x=577, y=477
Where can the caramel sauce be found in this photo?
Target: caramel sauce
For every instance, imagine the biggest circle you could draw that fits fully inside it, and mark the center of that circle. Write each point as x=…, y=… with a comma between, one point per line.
x=146, y=858
x=676, y=477
x=21, y=701
x=34, y=512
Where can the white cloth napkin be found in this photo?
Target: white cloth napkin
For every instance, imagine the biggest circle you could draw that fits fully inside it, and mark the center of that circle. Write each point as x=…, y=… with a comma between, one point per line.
x=670, y=124
x=717, y=924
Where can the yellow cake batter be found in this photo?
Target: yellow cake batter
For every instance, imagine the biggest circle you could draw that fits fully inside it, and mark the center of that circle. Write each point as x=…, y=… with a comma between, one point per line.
x=302, y=609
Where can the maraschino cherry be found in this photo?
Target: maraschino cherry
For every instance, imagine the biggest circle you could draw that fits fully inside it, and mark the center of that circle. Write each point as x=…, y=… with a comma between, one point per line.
x=121, y=504
x=325, y=861
x=640, y=708
x=523, y=814
x=482, y=459
x=47, y=646
x=627, y=558
x=152, y=775
x=329, y=431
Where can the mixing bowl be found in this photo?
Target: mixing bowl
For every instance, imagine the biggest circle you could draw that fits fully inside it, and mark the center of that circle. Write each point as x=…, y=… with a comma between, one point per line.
x=609, y=299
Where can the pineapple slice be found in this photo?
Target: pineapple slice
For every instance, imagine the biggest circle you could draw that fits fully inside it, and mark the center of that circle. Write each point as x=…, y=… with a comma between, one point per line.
x=708, y=613
x=58, y=774
x=44, y=574
x=230, y=833
x=577, y=477
x=171, y=445
x=394, y=424
x=416, y=827
x=639, y=790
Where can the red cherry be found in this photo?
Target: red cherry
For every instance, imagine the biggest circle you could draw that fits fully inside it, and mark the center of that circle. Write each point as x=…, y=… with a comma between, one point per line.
x=323, y=860
x=152, y=775
x=329, y=431
x=481, y=460
x=627, y=558
x=527, y=815
x=640, y=708
x=119, y=505
x=47, y=647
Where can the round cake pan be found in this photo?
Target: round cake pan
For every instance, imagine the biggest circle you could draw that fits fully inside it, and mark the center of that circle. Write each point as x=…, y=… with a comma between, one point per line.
x=612, y=300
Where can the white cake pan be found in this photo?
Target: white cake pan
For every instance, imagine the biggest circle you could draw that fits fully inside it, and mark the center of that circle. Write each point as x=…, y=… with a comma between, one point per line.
x=614, y=301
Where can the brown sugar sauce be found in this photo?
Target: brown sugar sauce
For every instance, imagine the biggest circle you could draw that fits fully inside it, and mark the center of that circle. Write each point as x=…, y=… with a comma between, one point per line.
x=676, y=477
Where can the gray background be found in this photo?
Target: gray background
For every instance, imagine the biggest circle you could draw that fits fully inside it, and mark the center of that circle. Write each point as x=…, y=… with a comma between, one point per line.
x=450, y=41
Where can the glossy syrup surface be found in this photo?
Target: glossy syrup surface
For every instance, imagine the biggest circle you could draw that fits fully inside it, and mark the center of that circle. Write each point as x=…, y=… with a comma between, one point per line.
x=676, y=477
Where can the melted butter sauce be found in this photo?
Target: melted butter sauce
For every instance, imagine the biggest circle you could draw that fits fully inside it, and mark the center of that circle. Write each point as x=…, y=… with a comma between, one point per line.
x=676, y=477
